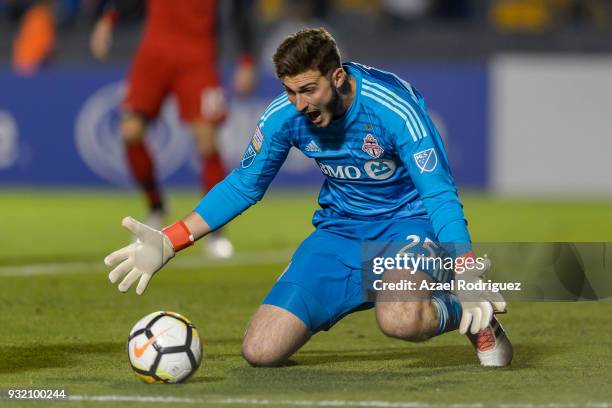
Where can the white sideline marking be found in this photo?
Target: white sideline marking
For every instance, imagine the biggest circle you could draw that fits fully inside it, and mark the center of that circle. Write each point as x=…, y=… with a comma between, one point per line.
x=239, y=259
x=323, y=403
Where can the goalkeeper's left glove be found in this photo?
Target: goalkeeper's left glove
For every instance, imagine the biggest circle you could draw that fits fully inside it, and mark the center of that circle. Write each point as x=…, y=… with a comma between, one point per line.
x=478, y=306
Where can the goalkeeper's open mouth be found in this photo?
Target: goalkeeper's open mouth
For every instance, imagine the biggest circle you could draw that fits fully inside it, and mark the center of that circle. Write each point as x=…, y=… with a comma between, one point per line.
x=314, y=116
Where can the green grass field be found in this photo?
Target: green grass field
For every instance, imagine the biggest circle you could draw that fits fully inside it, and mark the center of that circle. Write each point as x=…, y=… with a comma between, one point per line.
x=64, y=325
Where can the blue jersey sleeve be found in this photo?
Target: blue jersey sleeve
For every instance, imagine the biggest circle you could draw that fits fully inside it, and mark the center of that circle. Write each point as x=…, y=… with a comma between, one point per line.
x=421, y=150
x=245, y=185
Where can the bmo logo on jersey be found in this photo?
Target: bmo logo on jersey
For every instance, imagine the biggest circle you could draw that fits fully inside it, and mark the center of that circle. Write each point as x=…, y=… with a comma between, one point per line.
x=340, y=172
x=380, y=169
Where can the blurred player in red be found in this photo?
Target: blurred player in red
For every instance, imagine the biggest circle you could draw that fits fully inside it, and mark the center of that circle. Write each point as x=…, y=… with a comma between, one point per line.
x=177, y=56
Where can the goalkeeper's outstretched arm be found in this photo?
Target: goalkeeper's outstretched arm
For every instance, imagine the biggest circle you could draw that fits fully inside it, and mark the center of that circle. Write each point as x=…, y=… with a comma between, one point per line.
x=152, y=249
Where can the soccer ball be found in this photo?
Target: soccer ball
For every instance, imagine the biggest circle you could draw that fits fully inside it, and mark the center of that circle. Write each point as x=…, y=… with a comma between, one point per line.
x=164, y=347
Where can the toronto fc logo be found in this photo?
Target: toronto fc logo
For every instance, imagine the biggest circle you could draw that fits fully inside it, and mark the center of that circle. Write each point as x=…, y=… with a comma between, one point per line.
x=371, y=147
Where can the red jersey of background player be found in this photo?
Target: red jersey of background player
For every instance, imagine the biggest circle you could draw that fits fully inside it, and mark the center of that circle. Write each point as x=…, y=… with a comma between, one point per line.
x=177, y=55
x=185, y=26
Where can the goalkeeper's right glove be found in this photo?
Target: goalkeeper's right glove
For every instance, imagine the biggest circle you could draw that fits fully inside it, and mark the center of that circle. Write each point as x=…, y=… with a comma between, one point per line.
x=478, y=306
x=151, y=250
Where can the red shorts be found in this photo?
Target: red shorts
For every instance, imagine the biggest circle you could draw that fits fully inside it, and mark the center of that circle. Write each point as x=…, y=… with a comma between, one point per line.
x=193, y=80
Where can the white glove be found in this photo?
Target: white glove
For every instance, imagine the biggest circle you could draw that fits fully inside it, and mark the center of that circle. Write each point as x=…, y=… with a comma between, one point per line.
x=478, y=305
x=141, y=259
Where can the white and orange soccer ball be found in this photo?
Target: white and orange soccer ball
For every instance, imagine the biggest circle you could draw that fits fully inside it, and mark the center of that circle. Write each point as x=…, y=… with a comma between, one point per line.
x=164, y=347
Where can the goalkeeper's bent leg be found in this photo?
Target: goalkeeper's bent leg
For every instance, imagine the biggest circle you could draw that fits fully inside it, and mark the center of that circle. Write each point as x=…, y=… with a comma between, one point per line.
x=449, y=310
x=272, y=336
x=407, y=314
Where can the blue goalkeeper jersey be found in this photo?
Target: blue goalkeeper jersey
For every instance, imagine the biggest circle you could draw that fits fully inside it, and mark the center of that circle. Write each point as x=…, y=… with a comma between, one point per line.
x=382, y=160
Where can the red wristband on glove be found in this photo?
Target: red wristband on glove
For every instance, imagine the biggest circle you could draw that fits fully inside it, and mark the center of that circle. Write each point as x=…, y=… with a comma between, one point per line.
x=468, y=255
x=179, y=236
x=466, y=260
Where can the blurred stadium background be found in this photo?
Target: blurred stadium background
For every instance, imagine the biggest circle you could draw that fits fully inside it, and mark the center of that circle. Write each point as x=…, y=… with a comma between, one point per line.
x=520, y=90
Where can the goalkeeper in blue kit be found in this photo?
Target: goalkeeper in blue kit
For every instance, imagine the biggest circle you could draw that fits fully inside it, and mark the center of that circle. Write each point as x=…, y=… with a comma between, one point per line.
x=387, y=178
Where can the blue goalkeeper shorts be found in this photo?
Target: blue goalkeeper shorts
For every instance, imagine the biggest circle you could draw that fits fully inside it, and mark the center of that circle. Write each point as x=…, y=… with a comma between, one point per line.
x=323, y=281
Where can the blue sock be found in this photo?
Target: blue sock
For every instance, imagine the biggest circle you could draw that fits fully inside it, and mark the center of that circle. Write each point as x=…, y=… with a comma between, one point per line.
x=449, y=310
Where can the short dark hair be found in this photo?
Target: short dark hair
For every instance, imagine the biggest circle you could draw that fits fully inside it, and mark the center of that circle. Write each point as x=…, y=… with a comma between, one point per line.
x=310, y=48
